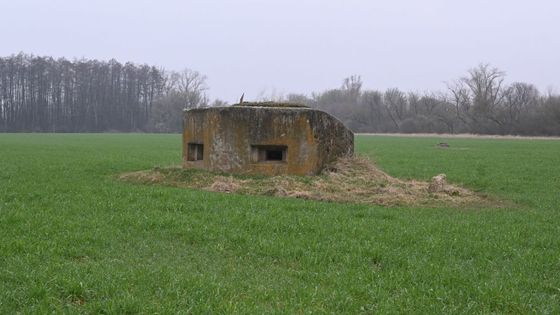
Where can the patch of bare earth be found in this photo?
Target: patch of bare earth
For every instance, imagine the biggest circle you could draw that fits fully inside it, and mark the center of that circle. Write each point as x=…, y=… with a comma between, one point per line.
x=353, y=180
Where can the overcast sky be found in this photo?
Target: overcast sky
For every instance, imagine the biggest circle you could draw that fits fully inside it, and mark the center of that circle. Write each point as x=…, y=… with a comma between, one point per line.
x=282, y=46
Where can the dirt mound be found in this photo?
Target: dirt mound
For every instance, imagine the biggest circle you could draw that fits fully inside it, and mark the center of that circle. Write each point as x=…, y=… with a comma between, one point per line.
x=354, y=180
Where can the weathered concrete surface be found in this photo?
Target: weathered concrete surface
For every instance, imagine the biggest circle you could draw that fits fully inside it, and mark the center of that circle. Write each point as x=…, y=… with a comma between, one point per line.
x=311, y=139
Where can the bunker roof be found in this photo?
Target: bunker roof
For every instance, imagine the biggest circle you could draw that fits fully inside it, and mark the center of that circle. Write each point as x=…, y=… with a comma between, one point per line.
x=271, y=104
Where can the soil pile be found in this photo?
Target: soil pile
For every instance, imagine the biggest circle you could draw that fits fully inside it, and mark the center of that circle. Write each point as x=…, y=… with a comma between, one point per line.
x=354, y=180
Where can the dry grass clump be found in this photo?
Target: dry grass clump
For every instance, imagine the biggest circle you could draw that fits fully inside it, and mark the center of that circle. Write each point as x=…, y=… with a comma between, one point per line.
x=355, y=180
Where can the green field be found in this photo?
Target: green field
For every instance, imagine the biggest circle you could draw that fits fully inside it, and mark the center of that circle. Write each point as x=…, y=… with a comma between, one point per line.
x=75, y=240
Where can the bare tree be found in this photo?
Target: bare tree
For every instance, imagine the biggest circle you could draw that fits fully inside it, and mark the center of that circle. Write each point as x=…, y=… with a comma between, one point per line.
x=460, y=98
x=396, y=105
x=485, y=85
x=550, y=121
x=369, y=114
x=518, y=99
x=191, y=86
x=352, y=85
x=184, y=90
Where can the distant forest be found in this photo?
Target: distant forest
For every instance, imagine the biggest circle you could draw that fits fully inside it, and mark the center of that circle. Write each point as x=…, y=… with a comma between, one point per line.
x=478, y=103
x=43, y=94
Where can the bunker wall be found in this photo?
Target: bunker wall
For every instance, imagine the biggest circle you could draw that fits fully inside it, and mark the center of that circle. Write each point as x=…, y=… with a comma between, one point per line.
x=263, y=140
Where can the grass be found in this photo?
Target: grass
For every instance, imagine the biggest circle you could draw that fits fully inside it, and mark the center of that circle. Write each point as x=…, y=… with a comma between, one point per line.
x=75, y=240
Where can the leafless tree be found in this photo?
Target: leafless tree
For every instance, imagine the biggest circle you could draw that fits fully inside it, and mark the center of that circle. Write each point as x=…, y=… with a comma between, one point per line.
x=460, y=98
x=184, y=90
x=518, y=99
x=191, y=85
x=396, y=105
x=368, y=114
x=352, y=85
x=485, y=88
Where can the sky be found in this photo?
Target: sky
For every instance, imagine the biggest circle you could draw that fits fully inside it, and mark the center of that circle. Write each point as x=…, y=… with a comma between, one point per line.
x=269, y=48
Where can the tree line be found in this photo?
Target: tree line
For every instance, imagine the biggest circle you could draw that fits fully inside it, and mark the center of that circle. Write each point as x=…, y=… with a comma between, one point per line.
x=478, y=103
x=43, y=94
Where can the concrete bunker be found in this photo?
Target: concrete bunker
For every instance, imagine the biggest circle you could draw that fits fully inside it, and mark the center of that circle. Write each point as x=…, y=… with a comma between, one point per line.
x=263, y=138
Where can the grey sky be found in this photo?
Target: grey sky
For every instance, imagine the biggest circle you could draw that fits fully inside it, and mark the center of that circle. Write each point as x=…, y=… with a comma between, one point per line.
x=281, y=46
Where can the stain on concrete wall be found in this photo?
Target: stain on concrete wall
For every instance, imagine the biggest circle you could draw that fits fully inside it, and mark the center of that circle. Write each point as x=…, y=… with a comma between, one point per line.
x=263, y=138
